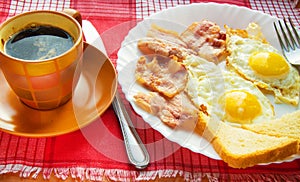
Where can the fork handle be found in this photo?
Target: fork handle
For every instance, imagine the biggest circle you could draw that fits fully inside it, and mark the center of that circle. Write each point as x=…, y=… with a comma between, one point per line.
x=136, y=151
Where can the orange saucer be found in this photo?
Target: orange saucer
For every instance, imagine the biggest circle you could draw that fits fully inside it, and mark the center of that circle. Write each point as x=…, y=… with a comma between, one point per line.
x=92, y=96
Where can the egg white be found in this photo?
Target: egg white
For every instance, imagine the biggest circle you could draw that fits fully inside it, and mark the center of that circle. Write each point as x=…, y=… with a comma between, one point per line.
x=207, y=84
x=286, y=89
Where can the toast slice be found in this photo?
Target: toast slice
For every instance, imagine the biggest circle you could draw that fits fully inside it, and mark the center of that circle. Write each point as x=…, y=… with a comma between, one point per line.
x=245, y=148
x=241, y=148
x=286, y=126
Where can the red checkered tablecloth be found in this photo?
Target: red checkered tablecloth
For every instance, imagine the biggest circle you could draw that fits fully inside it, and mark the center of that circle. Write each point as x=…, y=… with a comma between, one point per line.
x=73, y=155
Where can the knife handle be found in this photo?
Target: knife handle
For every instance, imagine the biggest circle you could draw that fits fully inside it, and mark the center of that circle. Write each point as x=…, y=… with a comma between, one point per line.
x=136, y=151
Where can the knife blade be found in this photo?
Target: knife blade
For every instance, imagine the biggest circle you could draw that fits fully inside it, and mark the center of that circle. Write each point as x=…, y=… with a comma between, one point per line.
x=135, y=149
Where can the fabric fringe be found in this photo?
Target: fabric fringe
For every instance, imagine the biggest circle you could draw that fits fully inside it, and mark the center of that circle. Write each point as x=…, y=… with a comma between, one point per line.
x=96, y=174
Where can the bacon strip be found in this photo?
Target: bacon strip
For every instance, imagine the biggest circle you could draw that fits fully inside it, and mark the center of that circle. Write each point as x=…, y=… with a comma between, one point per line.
x=207, y=39
x=165, y=76
x=172, y=112
x=164, y=43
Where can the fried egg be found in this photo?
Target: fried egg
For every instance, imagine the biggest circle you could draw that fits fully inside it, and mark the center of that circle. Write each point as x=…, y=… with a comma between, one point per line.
x=261, y=63
x=225, y=95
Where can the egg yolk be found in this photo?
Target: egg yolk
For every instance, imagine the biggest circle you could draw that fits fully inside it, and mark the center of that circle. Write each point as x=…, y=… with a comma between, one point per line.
x=241, y=106
x=268, y=64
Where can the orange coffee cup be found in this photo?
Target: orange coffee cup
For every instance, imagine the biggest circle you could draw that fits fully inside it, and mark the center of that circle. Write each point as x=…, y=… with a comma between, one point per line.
x=44, y=83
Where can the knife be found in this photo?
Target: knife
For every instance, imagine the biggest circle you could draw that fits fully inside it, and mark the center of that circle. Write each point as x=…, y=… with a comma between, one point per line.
x=136, y=150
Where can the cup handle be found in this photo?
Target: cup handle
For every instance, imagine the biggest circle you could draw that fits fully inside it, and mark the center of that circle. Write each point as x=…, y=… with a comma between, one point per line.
x=75, y=14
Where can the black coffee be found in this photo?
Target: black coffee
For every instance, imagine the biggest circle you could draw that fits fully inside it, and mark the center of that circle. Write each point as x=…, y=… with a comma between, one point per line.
x=39, y=43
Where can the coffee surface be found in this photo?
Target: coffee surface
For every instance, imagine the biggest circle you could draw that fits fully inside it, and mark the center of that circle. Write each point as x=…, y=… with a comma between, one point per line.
x=38, y=43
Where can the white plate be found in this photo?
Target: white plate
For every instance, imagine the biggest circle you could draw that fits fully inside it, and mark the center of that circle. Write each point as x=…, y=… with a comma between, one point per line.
x=178, y=19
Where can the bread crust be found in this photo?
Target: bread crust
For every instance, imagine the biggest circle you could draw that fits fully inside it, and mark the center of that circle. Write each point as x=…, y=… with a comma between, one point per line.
x=252, y=159
x=237, y=146
x=286, y=126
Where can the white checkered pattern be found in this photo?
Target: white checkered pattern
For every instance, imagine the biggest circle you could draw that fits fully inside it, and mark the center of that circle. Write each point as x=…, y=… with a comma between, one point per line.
x=18, y=6
x=279, y=8
x=145, y=8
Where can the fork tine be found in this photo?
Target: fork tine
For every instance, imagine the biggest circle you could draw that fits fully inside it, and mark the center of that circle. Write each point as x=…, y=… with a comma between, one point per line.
x=283, y=47
x=295, y=33
x=287, y=42
x=293, y=36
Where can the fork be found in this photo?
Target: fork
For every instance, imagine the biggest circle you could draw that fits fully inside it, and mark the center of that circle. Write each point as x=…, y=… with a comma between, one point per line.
x=289, y=41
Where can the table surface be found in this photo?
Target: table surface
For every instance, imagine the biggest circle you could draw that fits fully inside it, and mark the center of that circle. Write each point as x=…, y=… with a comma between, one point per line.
x=74, y=156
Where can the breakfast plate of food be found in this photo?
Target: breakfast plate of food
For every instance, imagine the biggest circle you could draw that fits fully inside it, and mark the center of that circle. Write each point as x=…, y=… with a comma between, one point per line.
x=214, y=81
